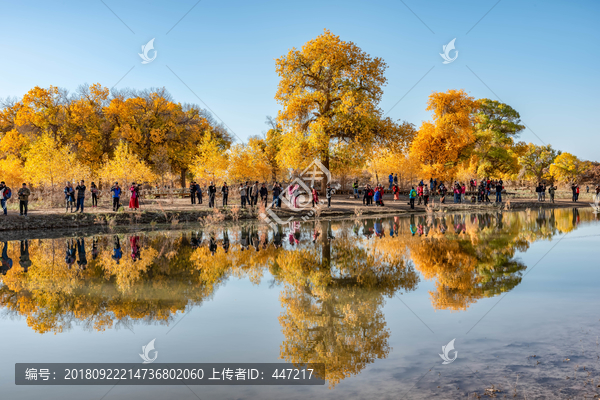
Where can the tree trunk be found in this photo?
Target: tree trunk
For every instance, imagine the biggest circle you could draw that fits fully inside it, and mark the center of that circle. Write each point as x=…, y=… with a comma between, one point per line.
x=274, y=175
x=325, y=162
x=183, y=172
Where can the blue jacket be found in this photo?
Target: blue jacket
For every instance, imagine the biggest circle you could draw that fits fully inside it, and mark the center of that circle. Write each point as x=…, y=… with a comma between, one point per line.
x=116, y=191
x=69, y=193
x=377, y=195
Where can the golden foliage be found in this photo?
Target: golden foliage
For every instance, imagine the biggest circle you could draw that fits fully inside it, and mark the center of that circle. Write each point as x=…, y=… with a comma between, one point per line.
x=330, y=90
x=442, y=144
x=568, y=168
x=211, y=162
x=85, y=132
x=11, y=171
x=125, y=167
x=249, y=162
x=50, y=163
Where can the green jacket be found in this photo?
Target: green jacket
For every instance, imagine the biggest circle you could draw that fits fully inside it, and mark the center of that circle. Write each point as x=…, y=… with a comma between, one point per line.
x=24, y=194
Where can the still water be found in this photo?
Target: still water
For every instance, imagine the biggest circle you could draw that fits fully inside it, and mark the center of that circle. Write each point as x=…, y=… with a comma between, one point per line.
x=374, y=300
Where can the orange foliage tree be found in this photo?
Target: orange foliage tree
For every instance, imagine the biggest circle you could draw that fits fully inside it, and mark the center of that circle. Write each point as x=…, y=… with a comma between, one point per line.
x=441, y=145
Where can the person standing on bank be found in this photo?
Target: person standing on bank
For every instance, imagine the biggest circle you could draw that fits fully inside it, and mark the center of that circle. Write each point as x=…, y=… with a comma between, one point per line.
x=94, y=190
x=225, y=193
x=212, y=190
x=4, y=196
x=248, y=193
x=80, y=195
x=499, y=191
x=355, y=189
x=264, y=193
x=116, y=196
x=544, y=192
x=552, y=191
x=377, y=196
x=412, y=195
x=193, y=192
x=24, y=193
x=276, y=194
x=315, y=196
x=134, y=202
x=243, y=192
x=396, y=192
x=442, y=189
x=365, y=199
x=69, y=196
x=254, y=194
x=328, y=194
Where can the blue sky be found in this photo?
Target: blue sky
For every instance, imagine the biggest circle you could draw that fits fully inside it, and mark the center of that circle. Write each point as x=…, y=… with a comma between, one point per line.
x=541, y=57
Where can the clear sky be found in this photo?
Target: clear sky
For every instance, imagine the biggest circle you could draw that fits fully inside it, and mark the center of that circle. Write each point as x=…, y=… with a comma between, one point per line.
x=541, y=57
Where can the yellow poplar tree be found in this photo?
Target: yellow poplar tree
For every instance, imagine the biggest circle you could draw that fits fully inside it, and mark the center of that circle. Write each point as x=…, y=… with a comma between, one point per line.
x=44, y=111
x=330, y=90
x=249, y=162
x=51, y=164
x=441, y=145
x=567, y=167
x=346, y=163
x=212, y=160
x=126, y=167
x=294, y=153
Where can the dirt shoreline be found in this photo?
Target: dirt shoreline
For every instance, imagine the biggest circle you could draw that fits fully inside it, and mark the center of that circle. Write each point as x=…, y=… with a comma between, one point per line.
x=157, y=214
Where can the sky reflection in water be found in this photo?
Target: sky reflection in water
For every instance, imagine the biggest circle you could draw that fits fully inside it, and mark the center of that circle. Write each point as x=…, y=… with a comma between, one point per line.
x=373, y=299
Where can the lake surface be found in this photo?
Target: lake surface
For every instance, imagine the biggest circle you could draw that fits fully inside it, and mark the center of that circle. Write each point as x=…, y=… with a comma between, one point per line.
x=374, y=300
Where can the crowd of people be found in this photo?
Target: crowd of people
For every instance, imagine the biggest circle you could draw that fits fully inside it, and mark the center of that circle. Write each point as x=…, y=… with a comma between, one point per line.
x=293, y=194
x=480, y=193
x=75, y=196
x=251, y=192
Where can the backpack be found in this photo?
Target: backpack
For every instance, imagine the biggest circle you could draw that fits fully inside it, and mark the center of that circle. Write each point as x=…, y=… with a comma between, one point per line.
x=7, y=193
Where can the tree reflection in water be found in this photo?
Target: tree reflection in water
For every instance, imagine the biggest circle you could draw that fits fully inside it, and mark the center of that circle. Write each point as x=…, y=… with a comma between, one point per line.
x=335, y=276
